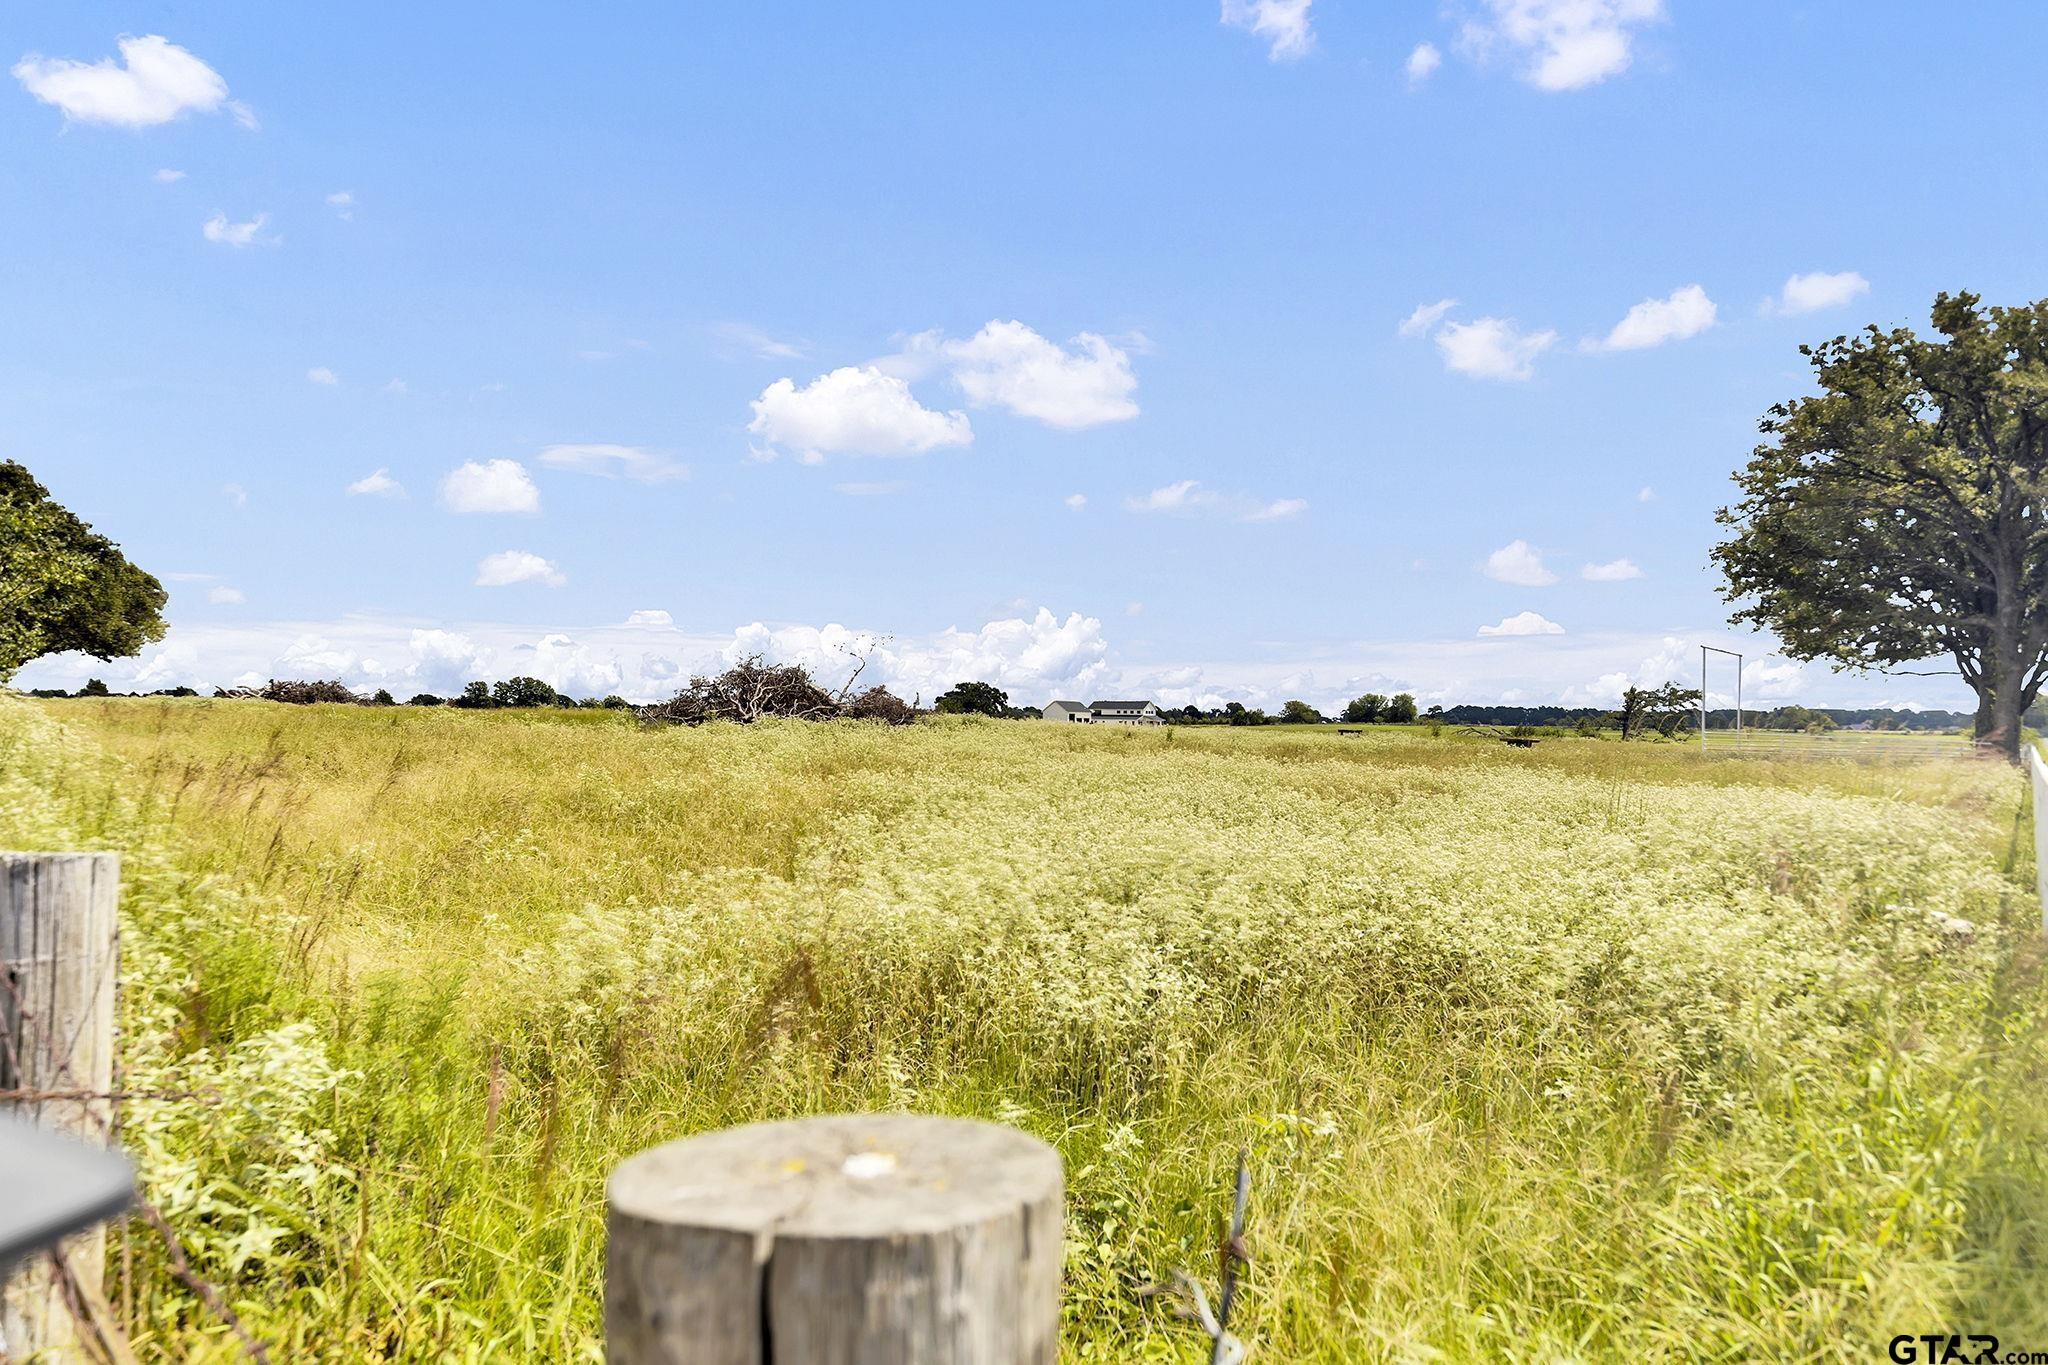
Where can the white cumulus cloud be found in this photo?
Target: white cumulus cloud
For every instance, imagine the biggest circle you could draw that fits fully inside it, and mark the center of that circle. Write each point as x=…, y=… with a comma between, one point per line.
x=494, y=486
x=1813, y=292
x=508, y=567
x=1613, y=571
x=613, y=461
x=1524, y=623
x=1518, y=562
x=219, y=229
x=154, y=81
x=653, y=619
x=1032, y=657
x=1284, y=24
x=852, y=410
x=1561, y=44
x=1008, y=365
x=1686, y=313
x=379, y=484
x=1076, y=501
x=1492, y=348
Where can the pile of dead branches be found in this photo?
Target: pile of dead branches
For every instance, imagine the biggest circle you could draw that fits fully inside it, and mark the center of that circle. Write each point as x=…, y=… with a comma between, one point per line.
x=754, y=690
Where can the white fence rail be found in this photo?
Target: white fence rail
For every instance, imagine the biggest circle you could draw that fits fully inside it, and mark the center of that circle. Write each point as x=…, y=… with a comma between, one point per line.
x=2037, y=776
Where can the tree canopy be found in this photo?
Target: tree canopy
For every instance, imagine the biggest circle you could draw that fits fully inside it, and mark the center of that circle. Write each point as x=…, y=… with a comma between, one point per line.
x=1366, y=709
x=1898, y=514
x=973, y=699
x=64, y=587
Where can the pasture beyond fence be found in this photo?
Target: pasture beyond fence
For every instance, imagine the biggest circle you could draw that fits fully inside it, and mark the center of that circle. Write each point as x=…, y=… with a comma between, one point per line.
x=1867, y=746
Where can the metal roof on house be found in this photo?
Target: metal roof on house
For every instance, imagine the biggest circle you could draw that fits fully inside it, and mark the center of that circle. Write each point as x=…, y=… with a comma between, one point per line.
x=1118, y=705
x=1076, y=705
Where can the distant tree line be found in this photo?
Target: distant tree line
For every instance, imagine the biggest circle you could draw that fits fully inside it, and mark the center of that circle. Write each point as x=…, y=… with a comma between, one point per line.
x=752, y=690
x=1778, y=718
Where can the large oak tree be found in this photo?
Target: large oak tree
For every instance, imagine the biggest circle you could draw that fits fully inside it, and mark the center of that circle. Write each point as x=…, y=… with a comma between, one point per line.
x=1898, y=514
x=63, y=587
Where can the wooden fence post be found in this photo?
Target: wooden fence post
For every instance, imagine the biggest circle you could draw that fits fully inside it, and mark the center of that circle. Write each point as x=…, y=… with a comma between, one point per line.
x=835, y=1240
x=58, y=931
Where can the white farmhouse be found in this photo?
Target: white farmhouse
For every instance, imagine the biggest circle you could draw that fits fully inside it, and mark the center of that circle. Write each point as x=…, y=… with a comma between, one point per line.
x=1102, y=713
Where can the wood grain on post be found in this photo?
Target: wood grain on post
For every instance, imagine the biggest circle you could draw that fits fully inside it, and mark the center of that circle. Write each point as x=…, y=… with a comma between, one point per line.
x=882, y=1239
x=58, y=931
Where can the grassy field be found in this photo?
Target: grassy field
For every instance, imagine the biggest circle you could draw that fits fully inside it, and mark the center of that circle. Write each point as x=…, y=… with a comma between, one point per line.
x=1583, y=1052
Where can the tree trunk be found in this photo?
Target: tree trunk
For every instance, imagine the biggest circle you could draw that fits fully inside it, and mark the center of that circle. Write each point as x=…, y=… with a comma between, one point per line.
x=2004, y=674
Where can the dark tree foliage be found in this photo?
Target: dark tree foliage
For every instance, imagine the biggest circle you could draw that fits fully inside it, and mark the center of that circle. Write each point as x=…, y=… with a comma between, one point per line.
x=1657, y=710
x=1365, y=710
x=973, y=699
x=523, y=692
x=879, y=703
x=94, y=688
x=1300, y=713
x=296, y=693
x=475, y=696
x=1901, y=513
x=1372, y=707
x=63, y=587
x=425, y=699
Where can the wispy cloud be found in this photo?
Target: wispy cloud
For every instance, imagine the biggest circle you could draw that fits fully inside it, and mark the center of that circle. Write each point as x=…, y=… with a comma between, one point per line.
x=219, y=229
x=1422, y=63
x=379, y=484
x=1492, y=348
x=1560, y=44
x=1284, y=24
x=509, y=567
x=615, y=462
x=1613, y=571
x=1817, y=291
x=751, y=340
x=1426, y=316
x=1189, y=498
x=1686, y=313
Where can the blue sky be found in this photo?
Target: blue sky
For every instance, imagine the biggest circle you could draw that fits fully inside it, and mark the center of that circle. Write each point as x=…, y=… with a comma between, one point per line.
x=804, y=323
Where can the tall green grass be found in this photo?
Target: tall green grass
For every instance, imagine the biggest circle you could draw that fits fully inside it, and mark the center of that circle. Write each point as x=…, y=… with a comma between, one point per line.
x=1581, y=1052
